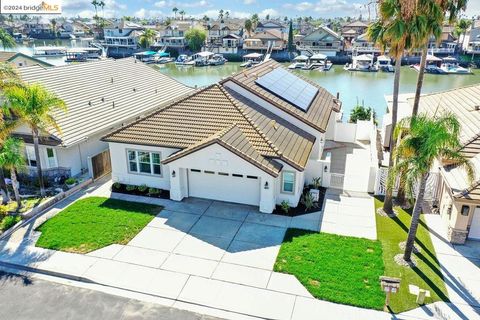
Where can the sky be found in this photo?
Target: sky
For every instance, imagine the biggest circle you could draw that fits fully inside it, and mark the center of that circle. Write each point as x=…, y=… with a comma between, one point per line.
x=237, y=8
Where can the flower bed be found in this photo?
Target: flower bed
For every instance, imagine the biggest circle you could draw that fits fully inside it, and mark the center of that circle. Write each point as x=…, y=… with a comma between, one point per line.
x=301, y=208
x=140, y=191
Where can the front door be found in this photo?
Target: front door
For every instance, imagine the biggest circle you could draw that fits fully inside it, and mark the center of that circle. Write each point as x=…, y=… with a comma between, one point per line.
x=475, y=226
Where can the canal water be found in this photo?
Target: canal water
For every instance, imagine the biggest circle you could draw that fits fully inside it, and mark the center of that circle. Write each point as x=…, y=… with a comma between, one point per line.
x=368, y=88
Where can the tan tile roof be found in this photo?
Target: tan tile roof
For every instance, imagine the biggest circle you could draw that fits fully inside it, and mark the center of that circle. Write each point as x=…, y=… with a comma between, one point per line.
x=317, y=115
x=456, y=177
x=6, y=55
x=101, y=95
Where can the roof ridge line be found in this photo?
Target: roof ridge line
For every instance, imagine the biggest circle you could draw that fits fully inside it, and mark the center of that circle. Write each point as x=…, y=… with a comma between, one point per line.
x=250, y=121
x=447, y=90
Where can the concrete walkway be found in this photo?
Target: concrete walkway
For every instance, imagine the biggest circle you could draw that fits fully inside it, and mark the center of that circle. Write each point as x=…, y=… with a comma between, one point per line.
x=349, y=214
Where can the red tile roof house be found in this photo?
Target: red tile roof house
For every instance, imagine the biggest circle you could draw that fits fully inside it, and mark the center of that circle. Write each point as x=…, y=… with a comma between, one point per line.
x=246, y=140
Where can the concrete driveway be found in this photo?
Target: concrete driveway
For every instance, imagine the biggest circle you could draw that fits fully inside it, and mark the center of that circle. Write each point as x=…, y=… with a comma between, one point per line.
x=349, y=214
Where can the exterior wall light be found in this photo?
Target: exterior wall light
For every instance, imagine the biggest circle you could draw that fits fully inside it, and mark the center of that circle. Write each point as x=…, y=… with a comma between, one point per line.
x=173, y=174
x=325, y=169
x=266, y=186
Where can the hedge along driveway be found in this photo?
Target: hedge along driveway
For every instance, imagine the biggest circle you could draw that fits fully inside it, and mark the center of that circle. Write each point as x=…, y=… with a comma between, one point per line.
x=335, y=268
x=95, y=222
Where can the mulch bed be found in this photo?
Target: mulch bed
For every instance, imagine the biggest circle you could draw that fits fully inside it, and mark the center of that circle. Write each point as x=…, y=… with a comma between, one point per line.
x=301, y=209
x=164, y=194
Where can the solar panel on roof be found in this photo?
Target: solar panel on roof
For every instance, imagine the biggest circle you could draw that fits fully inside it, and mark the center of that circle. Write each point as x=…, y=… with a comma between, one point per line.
x=288, y=87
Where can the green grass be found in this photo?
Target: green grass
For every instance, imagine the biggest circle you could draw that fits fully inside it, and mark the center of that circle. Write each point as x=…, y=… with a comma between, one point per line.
x=427, y=274
x=6, y=222
x=93, y=223
x=335, y=268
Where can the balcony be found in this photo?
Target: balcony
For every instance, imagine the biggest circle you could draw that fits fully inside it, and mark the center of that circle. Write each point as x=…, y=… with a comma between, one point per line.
x=360, y=49
x=262, y=46
x=305, y=47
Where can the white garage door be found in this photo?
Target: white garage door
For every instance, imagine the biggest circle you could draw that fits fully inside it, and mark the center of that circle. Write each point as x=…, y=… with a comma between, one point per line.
x=221, y=186
x=475, y=226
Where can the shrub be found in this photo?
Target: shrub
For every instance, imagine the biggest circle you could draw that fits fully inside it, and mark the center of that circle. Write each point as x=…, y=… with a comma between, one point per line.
x=8, y=222
x=142, y=188
x=154, y=191
x=307, y=201
x=71, y=181
x=117, y=185
x=131, y=187
x=317, y=182
x=285, y=206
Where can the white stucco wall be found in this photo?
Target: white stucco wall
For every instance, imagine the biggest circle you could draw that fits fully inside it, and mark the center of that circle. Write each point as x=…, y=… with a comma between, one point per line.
x=292, y=198
x=120, y=173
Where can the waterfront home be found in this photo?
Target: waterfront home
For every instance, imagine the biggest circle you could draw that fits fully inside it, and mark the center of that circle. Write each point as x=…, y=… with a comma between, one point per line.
x=100, y=96
x=362, y=45
x=321, y=41
x=39, y=29
x=448, y=42
x=173, y=35
x=449, y=191
x=19, y=59
x=73, y=29
x=217, y=31
x=351, y=30
x=271, y=26
x=473, y=39
x=262, y=40
x=121, y=39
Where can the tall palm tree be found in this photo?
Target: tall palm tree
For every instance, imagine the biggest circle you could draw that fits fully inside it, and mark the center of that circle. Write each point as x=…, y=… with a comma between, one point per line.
x=175, y=10
x=6, y=39
x=248, y=26
x=12, y=158
x=397, y=27
x=227, y=15
x=436, y=12
x=255, y=19
x=220, y=15
x=101, y=4
x=95, y=4
x=147, y=38
x=423, y=141
x=53, y=22
x=35, y=105
x=461, y=29
x=182, y=14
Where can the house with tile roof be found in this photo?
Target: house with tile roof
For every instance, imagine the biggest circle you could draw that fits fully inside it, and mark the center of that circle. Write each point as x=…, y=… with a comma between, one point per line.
x=100, y=96
x=243, y=140
x=457, y=197
x=322, y=40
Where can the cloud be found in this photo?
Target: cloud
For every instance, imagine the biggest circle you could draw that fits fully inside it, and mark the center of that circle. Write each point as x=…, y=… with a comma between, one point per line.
x=271, y=12
x=247, y=2
x=147, y=14
x=171, y=4
x=335, y=7
x=213, y=14
x=85, y=9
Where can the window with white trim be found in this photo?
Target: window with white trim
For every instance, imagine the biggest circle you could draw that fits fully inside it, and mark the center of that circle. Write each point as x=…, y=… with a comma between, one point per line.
x=288, y=182
x=144, y=162
x=31, y=158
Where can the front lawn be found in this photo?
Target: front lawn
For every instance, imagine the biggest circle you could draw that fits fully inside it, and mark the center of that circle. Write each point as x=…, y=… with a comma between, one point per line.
x=335, y=268
x=427, y=274
x=95, y=222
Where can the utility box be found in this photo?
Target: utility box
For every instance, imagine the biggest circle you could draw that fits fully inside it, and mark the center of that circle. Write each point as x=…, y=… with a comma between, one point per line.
x=315, y=193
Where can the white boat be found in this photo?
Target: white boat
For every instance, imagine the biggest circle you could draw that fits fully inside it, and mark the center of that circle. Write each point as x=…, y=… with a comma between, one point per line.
x=384, y=63
x=318, y=62
x=184, y=60
x=49, y=51
x=83, y=54
x=217, y=60
x=362, y=62
x=299, y=62
x=251, y=59
x=432, y=65
x=201, y=59
x=147, y=57
x=450, y=65
x=164, y=57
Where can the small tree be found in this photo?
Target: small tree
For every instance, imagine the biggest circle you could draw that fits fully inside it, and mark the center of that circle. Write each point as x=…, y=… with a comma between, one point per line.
x=291, y=46
x=147, y=38
x=360, y=112
x=12, y=158
x=195, y=38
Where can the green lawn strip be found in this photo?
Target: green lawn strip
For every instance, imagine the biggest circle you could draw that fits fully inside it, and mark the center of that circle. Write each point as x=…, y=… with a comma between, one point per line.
x=95, y=222
x=335, y=268
x=427, y=274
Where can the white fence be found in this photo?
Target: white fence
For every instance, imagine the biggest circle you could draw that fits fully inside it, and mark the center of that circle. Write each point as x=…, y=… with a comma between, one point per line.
x=337, y=180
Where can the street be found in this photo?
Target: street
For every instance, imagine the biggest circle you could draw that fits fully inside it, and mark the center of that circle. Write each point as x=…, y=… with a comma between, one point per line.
x=31, y=298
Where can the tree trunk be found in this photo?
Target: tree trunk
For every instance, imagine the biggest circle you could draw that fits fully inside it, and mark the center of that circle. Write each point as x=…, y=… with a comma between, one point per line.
x=388, y=204
x=15, y=189
x=39, y=164
x=421, y=75
x=417, y=210
x=3, y=188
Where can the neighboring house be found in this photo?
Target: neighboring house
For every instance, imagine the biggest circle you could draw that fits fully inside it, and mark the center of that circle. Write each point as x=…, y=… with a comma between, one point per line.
x=100, y=96
x=173, y=35
x=21, y=60
x=224, y=38
x=235, y=141
x=323, y=40
x=362, y=45
x=458, y=198
x=39, y=29
x=271, y=25
x=353, y=29
x=121, y=39
x=72, y=29
x=446, y=44
x=473, y=45
x=263, y=39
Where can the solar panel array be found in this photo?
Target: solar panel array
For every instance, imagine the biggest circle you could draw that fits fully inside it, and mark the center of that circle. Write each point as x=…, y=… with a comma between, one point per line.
x=289, y=87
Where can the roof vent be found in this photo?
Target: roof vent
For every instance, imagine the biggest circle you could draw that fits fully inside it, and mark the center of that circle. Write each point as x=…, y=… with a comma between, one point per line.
x=113, y=104
x=89, y=103
x=103, y=99
x=111, y=80
x=156, y=90
x=134, y=90
x=477, y=107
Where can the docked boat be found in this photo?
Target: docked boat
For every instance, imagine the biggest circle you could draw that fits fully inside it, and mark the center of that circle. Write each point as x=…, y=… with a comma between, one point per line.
x=217, y=60
x=147, y=57
x=362, y=62
x=184, y=60
x=432, y=65
x=83, y=54
x=384, y=63
x=164, y=57
x=49, y=51
x=450, y=65
x=202, y=58
x=318, y=62
x=299, y=62
x=251, y=59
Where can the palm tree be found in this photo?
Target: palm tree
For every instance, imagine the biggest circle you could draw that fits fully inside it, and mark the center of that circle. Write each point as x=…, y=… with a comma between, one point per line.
x=227, y=15
x=220, y=15
x=34, y=105
x=461, y=29
x=182, y=13
x=397, y=27
x=255, y=19
x=6, y=39
x=101, y=4
x=147, y=38
x=248, y=26
x=205, y=19
x=95, y=4
x=12, y=158
x=53, y=22
x=423, y=140
x=175, y=10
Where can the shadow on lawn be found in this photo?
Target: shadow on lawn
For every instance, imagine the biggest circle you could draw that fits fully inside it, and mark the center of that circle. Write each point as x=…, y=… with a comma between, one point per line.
x=136, y=207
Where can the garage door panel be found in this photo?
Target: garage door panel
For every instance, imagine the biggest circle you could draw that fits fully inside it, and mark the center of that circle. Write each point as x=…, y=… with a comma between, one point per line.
x=474, y=232
x=224, y=187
